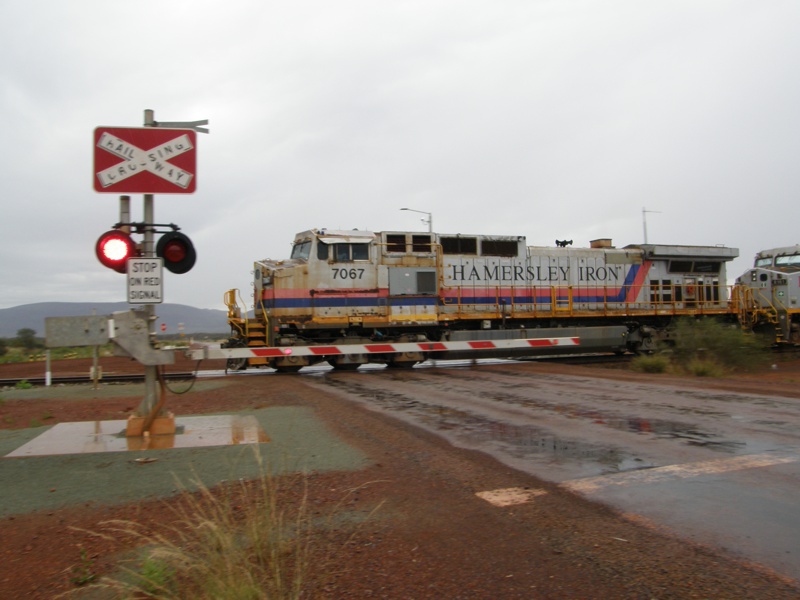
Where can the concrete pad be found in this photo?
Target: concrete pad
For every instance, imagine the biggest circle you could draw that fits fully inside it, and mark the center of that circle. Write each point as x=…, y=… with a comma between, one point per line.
x=299, y=442
x=110, y=436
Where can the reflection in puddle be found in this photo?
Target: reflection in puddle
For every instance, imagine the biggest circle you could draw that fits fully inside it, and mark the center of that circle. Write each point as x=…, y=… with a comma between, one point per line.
x=109, y=436
x=669, y=429
x=526, y=441
x=523, y=442
x=660, y=428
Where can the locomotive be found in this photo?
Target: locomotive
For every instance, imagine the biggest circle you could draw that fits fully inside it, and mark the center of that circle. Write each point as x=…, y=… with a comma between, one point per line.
x=767, y=295
x=359, y=287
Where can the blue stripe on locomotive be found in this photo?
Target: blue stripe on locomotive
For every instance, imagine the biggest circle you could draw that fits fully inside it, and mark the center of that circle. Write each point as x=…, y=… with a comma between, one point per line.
x=345, y=302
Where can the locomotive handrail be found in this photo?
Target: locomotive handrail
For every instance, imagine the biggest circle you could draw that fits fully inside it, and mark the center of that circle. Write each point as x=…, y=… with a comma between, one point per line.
x=265, y=319
x=235, y=311
x=559, y=305
x=751, y=305
x=770, y=310
x=564, y=300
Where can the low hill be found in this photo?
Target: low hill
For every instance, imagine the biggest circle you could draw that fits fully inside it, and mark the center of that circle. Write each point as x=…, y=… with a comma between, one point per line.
x=32, y=316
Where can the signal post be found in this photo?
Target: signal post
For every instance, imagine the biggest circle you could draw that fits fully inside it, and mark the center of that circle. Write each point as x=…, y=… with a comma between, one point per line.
x=160, y=158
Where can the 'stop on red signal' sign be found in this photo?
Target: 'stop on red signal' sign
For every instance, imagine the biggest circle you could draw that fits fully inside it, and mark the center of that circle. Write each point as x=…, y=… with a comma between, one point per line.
x=145, y=160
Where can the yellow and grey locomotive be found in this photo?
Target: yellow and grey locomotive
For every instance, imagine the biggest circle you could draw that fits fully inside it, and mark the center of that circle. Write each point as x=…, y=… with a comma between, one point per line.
x=360, y=287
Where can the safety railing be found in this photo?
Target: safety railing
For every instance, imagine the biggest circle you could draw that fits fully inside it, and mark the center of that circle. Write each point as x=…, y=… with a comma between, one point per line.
x=569, y=301
x=754, y=307
x=236, y=319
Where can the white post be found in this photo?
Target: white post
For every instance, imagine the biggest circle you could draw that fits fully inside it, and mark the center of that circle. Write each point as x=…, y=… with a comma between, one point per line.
x=644, y=220
x=95, y=366
x=644, y=223
x=150, y=373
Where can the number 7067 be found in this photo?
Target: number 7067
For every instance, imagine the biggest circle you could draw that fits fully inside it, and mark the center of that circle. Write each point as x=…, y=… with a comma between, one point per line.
x=348, y=273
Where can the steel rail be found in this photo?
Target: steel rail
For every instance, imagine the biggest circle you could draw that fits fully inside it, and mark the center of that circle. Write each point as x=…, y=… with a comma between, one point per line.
x=81, y=379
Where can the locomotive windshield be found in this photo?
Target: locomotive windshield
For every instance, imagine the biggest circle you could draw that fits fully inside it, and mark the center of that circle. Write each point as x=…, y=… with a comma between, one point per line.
x=793, y=260
x=342, y=252
x=763, y=262
x=302, y=250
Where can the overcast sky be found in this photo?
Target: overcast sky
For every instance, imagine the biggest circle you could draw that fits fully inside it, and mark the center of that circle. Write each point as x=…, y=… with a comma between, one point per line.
x=544, y=118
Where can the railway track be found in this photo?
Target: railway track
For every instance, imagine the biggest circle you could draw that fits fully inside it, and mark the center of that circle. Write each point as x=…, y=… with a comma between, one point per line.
x=586, y=359
x=79, y=379
x=139, y=377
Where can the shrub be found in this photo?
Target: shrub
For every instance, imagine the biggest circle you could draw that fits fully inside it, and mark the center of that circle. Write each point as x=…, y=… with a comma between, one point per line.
x=704, y=368
x=651, y=363
x=156, y=576
x=26, y=338
x=706, y=347
x=711, y=342
x=83, y=573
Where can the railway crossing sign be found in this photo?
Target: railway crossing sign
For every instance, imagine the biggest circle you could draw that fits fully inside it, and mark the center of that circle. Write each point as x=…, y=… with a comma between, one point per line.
x=145, y=160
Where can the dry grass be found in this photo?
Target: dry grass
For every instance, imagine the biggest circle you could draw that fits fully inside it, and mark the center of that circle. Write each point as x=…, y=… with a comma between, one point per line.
x=233, y=542
x=248, y=540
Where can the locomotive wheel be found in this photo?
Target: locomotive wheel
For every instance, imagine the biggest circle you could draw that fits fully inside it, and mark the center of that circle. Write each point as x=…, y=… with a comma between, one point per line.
x=401, y=364
x=644, y=347
x=405, y=360
x=236, y=364
x=342, y=366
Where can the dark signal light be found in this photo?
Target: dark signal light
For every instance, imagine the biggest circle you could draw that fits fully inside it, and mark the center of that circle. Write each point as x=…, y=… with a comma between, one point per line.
x=177, y=251
x=114, y=248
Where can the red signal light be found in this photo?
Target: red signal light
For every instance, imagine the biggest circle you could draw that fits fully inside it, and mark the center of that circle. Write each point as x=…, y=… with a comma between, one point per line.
x=177, y=251
x=114, y=248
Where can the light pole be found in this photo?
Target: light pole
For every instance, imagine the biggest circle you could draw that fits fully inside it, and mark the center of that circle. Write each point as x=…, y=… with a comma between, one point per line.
x=429, y=220
x=644, y=220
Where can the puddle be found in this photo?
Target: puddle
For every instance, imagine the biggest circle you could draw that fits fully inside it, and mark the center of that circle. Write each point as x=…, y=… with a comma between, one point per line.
x=526, y=443
x=664, y=429
x=529, y=442
x=109, y=436
x=522, y=442
x=660, y=428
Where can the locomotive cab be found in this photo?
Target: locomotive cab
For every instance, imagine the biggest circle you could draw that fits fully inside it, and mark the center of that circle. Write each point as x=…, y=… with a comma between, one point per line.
x=771, y=292
x=324, y=269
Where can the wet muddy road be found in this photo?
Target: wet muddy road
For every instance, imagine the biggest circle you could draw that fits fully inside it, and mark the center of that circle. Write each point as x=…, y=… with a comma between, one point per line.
x=719, y=468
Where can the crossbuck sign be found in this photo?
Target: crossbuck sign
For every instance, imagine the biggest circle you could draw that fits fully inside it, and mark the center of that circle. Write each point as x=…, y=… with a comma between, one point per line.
x=145, y=160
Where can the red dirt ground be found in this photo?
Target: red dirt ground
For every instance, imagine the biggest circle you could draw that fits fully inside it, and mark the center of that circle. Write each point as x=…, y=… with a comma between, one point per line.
x=431, y=538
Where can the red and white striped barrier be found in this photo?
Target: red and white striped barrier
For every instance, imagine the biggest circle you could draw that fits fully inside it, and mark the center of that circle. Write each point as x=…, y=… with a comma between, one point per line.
x=213, y=352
